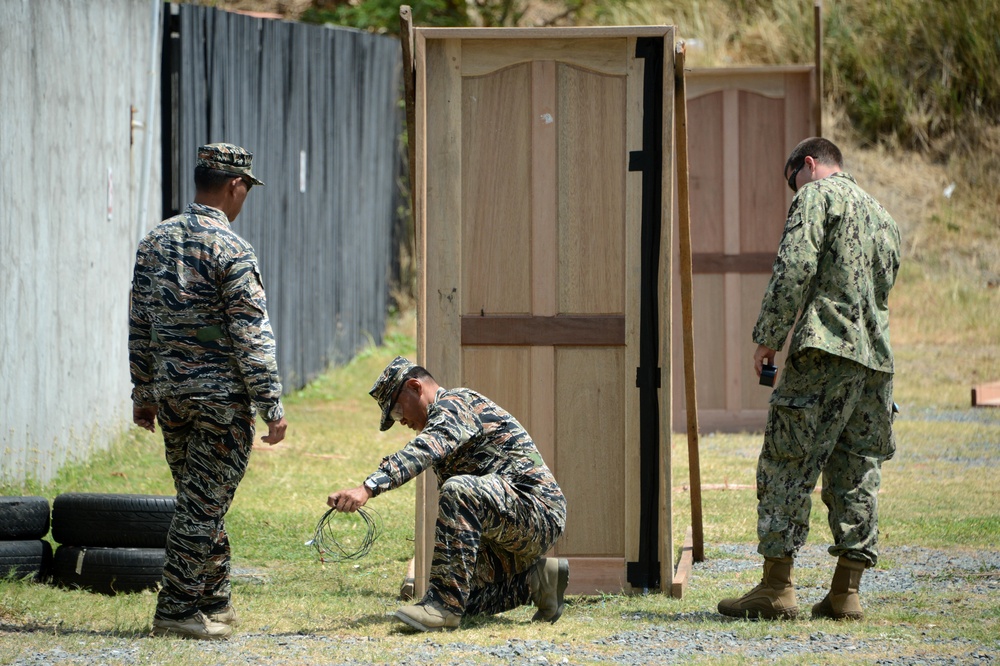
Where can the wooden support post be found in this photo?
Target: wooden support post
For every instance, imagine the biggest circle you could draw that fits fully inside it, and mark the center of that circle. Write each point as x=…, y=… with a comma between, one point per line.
x=687, y=300
x=410, y=589
x=818, y=28
x=409, y=84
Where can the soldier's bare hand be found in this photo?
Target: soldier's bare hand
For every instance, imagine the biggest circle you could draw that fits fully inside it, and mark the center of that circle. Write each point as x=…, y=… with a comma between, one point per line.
x=763, y=354
x=349, y=500
x=275, y=431
x=145, y=417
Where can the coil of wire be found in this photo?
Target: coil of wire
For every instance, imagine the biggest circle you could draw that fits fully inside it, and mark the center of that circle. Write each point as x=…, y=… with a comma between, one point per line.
x=345, y=548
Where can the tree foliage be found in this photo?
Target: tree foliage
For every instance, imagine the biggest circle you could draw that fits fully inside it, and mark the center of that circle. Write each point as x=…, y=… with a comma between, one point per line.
x=383, y=15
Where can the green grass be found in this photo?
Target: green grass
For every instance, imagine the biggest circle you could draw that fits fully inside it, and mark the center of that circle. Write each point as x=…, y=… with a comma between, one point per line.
x=939, y=491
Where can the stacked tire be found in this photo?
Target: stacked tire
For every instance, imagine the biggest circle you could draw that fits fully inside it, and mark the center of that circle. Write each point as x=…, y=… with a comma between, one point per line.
x=24, y=521
x=110, y=543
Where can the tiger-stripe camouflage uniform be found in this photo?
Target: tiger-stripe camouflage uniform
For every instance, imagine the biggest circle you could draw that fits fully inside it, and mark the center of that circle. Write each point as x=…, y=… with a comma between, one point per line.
x=500, y=508
x=201, y=350
x=832, y=410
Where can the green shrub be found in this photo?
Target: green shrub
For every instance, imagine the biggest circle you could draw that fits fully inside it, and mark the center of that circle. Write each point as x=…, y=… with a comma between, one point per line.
x=923, y=74
x=383, y=15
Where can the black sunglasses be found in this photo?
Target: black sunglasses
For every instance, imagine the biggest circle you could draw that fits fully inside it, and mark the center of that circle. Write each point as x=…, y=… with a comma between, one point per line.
x=791, y=178
x=395, y=399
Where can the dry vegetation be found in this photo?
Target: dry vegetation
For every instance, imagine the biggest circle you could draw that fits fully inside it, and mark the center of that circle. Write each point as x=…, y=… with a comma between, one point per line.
x=289, y=9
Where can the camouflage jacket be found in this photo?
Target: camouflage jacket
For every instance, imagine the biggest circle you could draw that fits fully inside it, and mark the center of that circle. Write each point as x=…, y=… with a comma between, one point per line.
x=467, y=433
x=837, y=261
x=198, y=320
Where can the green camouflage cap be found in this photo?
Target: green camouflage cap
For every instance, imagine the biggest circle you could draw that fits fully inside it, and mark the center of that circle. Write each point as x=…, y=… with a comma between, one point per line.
x=227, y=157
x=387, y=385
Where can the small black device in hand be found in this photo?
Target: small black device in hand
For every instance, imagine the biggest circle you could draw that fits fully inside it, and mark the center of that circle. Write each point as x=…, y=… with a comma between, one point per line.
x=767, y=375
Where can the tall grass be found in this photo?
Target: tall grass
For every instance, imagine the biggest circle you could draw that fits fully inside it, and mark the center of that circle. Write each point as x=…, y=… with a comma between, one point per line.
x=927, y=73
x=923, y=74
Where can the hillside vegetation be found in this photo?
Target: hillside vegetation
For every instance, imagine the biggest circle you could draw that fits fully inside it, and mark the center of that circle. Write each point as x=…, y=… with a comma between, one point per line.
x=912, y=96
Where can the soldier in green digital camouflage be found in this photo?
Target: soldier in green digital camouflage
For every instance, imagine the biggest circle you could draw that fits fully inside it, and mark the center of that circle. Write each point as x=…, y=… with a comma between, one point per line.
x=500, y=509
x=832, y=410
x=202, y=360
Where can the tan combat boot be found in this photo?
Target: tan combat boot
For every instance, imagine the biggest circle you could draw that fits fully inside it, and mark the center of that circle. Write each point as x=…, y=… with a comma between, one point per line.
x=773, y=599
x=226, y=615
x=547, y=584
x=429, y=616
x=842, y=601
x=198, y=626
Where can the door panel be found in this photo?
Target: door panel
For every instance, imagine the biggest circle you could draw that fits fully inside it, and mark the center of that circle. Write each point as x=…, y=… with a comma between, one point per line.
x=592, y=169
x=496, y=171
x=589, y=419
x=529, y=237
x=742, y=124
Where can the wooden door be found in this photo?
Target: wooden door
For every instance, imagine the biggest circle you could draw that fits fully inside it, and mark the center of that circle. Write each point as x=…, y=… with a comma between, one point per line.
x=742, y=125
x=529, y=241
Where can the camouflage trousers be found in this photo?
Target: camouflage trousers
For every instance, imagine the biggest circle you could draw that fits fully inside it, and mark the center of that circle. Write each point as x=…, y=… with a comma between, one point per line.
x=207, y=447
x=828, y=416
x=488, y=536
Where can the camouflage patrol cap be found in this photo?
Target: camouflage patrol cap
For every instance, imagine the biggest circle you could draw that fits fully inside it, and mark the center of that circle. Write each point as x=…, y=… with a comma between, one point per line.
x=387, y=385
x=227, y=157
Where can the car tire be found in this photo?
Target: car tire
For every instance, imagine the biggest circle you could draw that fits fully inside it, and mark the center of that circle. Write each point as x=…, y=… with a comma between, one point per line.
x=108, y=570
x=23, y=517
x=25, y=559
x=112, y=520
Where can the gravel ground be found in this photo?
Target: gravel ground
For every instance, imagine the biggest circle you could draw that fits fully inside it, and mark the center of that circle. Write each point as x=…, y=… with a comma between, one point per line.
x=989, y=416
x=661, y=638
x=658, y=638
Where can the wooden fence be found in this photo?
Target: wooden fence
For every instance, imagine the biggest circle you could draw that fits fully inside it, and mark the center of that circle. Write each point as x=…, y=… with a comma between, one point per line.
x=319, y=108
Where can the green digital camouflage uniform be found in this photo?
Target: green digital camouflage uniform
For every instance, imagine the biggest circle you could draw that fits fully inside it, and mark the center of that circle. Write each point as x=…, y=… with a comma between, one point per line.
x=201, y=349
x=831, y=412
x=500, y=508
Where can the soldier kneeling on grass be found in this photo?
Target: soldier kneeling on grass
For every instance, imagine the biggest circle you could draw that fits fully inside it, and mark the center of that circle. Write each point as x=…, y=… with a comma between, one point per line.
x=500, y=509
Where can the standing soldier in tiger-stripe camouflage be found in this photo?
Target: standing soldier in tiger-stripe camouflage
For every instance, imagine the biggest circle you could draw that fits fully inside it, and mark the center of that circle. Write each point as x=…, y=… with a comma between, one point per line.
x=202, y=359
x=500, y=509
x=832, y=411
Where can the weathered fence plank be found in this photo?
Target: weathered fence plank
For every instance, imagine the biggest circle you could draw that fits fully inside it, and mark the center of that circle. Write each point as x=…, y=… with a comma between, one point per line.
x=317, y=107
